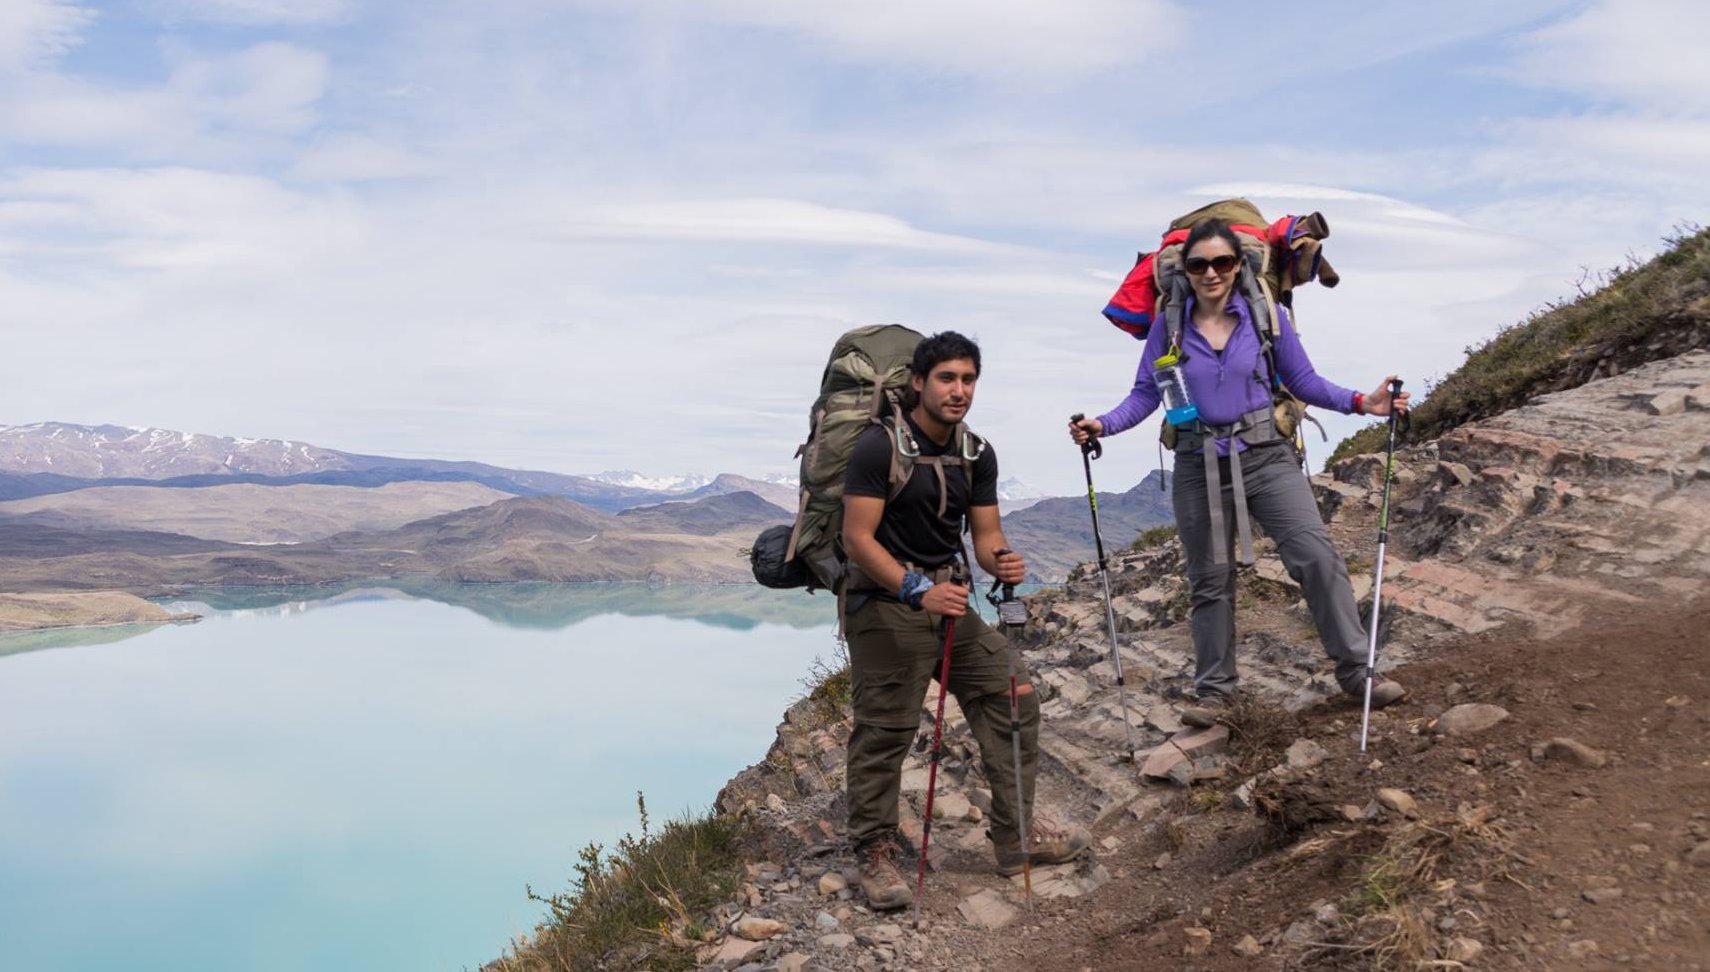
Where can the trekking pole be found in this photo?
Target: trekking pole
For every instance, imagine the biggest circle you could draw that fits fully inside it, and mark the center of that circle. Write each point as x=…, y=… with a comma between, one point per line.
x=1090, y=450
x=1013, y=614
x=956, y=577
x=1377, y=583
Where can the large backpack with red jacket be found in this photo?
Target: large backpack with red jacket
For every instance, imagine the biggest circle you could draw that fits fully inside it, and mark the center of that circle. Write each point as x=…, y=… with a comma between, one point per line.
x=1276, y=258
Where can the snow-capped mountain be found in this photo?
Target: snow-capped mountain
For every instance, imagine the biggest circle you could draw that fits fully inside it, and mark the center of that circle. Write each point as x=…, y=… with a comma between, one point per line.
x=631, y=479
x=1015, y=494
x=117, y=451
x=51, y=457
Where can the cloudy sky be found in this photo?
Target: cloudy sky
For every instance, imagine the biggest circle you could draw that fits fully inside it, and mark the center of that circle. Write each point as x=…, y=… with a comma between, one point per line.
x=594, y=234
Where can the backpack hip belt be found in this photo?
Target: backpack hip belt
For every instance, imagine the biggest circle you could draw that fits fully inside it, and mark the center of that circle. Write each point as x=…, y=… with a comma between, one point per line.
x=1255, y=428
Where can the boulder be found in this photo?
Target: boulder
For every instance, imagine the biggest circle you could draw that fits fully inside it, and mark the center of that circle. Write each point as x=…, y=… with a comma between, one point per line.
x=757, y=929
x=1198, y=941
x=1463, y=950
x=1470, y=718
x=731, y=951
x=1398, y=800
x=1304, y=754
x=1574, y=751
x=837, y=941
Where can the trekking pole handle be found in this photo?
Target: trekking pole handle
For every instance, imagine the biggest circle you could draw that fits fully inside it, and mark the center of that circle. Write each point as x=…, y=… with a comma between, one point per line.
x=1404, y=420
x=1092, y=448
x=959, y=577
x=1011, y=612
x=1008, y=589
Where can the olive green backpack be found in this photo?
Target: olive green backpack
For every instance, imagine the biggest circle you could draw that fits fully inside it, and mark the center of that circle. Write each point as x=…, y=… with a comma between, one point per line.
x=867, y=381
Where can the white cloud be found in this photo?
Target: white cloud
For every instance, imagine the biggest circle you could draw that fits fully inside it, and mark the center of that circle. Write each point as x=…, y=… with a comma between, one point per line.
x=1385, y=206
x=1649, y=53
x=255, y=13
x=753, y=221
x=976, y=37
x=225, y=104
x=1648, y=147
x=357, y=158
x=270, y=87
x=207, y=223
x=35, y=31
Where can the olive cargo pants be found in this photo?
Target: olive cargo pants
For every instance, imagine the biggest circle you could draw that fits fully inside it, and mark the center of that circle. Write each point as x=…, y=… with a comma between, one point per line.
x=894, y=653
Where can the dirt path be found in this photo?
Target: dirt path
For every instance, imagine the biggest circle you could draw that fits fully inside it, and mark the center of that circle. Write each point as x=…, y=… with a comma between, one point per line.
x=1638, y=690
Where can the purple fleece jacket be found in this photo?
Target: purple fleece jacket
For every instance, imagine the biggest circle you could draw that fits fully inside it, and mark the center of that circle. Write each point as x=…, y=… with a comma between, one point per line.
x=1225, y=387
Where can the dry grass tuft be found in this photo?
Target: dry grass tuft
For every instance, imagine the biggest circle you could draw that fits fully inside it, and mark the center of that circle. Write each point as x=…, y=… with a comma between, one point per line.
x=1385, y=925
x=1259, y=730
x=638, y=906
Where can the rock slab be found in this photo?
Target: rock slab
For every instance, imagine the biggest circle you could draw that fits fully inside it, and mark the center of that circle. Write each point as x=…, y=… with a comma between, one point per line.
x=1470, y=718
x=987, y=910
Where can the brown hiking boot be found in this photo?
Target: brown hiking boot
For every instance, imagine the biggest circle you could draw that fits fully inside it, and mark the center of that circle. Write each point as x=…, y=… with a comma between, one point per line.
x=1203, y=715
x=1052, y=844
x=1385, y=691
x=882, y=881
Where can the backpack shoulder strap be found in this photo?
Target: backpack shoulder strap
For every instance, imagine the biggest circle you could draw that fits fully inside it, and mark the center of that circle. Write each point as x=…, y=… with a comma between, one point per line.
x=905, y=456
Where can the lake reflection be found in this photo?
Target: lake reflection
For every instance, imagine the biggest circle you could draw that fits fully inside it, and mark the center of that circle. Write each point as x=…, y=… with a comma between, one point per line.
x=364, y=779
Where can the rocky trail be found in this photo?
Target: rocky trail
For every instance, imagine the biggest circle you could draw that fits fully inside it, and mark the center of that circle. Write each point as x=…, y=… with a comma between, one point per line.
x=1541, y=800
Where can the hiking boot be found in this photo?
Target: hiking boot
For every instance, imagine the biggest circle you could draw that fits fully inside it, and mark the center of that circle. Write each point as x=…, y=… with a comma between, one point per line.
x=1385, y=691
x=1203, y=715
x=1052, y=844
x=882, y=881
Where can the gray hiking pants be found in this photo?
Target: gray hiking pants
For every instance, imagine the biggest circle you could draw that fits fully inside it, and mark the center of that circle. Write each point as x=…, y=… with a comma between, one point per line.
x=1280, y=499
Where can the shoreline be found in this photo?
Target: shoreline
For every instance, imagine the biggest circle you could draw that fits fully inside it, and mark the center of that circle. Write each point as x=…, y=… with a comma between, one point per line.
x=58, y=611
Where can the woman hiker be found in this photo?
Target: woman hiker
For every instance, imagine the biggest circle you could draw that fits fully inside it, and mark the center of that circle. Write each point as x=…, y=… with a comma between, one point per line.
x=1227, y=378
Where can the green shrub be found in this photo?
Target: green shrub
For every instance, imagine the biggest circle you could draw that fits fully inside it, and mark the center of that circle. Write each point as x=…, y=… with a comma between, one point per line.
x=636, y=907
x=1154, y=536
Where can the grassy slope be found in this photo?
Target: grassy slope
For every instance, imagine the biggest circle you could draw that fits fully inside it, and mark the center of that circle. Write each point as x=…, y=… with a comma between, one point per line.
x=1643, y=312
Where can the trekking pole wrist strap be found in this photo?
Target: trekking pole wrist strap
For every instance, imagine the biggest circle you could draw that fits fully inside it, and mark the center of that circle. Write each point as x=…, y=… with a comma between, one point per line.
x=914, y=587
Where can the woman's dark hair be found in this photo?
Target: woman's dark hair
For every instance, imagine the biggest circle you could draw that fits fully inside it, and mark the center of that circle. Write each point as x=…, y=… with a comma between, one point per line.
x=941, y=347
x=1209, y=229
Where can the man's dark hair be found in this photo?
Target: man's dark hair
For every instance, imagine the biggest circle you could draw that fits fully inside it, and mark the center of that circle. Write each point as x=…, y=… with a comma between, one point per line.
x=941, y=347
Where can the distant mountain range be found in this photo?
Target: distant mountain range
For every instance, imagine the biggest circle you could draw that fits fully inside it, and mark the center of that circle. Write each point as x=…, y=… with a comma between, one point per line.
x=524, y=538
x=111, y=506
x=57, y=457
x=1056, y=534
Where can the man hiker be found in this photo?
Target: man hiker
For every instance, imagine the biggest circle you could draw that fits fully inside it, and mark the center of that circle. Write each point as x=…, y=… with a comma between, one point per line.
x=902, y=540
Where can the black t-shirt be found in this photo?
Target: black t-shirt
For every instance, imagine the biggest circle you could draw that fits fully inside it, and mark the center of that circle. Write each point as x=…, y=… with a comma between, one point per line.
x=911, y=528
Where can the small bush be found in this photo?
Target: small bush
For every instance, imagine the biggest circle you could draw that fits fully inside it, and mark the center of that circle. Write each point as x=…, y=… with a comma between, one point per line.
x=637, y=906
x=1154, y=537
x=829, y=684
x=1259, y=730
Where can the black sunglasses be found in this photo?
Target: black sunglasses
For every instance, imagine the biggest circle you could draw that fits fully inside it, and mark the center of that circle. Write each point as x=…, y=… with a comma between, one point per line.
x=1221, y=264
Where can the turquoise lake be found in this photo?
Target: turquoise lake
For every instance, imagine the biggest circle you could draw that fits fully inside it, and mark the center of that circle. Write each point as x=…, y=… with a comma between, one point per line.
x=368, y=778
